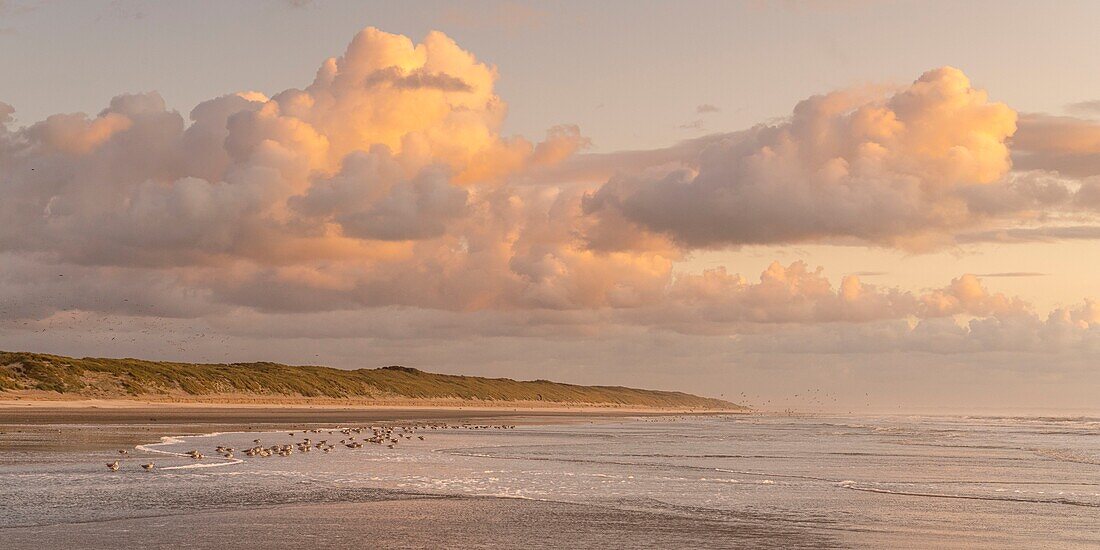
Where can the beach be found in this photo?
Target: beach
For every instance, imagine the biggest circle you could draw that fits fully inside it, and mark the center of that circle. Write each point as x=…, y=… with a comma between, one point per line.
x=555, y=479
x=412, y=522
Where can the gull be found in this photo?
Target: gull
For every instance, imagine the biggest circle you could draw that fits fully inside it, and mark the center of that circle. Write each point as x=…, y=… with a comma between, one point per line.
x=148, y=466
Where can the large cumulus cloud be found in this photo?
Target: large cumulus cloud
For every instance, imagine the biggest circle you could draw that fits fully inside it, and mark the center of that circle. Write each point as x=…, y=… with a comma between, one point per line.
x=385, y=181
x=137, y=184
x=883, y=166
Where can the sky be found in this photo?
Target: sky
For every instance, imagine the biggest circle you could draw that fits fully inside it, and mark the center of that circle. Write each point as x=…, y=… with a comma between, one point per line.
x=875, y=206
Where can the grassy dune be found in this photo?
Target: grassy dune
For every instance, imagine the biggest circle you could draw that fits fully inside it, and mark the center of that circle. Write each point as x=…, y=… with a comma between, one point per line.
x=95, y=378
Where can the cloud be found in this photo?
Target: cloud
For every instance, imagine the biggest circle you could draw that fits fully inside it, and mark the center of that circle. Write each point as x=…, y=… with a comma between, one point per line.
x=1032, y=234
x=1012, y=274
x=967, y=295
x=716, y=302
x=786, y=294
x=384, y=145
x=885, y=167
x=706, y=108
x=371, y=198
x=696, y=124
x=417, y=79
x=1067, y=145
x=34, y=290
x=1025, y=340
x=1085, y=107
x=384, y=182
x=597, y=168
x=1047, y=339
x=1019, y=196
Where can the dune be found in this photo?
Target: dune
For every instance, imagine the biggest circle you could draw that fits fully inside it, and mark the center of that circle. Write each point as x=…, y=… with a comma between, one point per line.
x=36, y=377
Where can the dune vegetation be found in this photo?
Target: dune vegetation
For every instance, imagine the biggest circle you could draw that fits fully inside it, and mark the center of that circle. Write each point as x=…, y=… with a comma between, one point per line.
x=54, y=376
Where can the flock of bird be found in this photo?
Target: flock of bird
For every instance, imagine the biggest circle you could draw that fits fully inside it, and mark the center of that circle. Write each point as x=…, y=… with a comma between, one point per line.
x=353, y=438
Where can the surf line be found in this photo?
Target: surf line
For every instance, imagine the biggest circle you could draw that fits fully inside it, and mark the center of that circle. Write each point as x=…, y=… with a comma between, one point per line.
x=173, y=440
x=1067, y=502
x=170, y=440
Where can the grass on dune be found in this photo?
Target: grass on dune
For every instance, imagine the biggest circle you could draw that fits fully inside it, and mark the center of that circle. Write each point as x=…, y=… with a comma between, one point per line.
x=134, y=378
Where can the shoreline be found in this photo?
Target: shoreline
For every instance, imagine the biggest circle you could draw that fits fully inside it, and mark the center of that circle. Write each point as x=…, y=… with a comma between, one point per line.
x=308, y=403
x=36, y=411
x=42, y=427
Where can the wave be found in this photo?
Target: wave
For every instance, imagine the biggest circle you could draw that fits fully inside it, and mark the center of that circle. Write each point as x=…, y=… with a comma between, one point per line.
x=176, y=440
x=772, y=474
x=1066, y=455
x=229, y=462
x=166, y=440
x=851, y=485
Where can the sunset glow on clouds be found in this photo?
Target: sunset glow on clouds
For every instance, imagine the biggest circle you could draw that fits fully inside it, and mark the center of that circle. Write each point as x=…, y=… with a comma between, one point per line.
x=381, y=201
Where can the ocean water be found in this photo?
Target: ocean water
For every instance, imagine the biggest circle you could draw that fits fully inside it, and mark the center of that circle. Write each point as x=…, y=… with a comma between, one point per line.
x=728, y=481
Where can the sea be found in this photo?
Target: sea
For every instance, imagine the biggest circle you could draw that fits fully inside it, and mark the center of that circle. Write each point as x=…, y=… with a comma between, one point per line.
x=733, y=481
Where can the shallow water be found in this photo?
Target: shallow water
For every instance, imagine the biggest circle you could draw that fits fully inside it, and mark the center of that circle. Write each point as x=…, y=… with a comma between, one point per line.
x=782, y=481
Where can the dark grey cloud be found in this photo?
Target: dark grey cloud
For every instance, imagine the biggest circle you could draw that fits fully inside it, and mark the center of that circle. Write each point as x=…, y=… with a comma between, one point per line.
x=417, y=79
x=1087, y=108
x=696, y=124
x=372, y=199
x=1012, y=274
x=1031, y=234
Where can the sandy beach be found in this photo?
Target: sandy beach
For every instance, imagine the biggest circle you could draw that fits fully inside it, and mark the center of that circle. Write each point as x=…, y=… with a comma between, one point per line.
x=100, y=411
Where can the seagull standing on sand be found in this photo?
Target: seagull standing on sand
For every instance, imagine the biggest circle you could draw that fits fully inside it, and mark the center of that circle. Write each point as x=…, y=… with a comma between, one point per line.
x=148, y=466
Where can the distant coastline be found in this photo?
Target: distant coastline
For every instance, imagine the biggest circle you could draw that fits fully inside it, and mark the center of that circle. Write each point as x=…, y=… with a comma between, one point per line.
x=42, y=380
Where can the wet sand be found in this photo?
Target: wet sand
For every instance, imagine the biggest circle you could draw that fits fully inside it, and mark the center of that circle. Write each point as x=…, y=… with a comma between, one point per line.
x=417, y=522
x=43, y=427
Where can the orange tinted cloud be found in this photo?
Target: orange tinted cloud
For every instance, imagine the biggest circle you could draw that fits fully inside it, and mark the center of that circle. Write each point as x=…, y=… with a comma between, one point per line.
x=886, y=167
x=386, y=182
